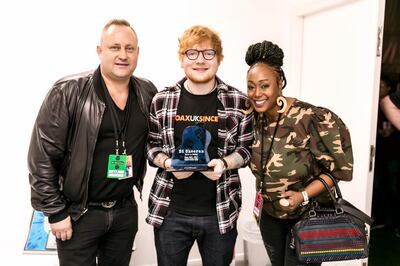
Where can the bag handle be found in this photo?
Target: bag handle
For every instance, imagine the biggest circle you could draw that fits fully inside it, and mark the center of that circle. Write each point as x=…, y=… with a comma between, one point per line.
x=327, y=187
x=343, y=204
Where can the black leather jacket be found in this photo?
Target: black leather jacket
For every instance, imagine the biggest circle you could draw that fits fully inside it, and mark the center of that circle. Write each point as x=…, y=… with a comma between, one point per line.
x=64, y=138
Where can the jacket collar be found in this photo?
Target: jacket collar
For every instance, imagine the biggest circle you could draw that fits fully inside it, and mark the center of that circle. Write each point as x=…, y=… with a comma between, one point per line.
x=98, y=84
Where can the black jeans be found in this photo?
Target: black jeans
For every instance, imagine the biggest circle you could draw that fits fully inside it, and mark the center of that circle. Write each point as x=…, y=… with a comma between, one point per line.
x=175, y=238
x=107, y=234
x=276, y=234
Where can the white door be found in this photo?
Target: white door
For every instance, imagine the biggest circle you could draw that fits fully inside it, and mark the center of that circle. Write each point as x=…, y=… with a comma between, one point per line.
x=336, y=64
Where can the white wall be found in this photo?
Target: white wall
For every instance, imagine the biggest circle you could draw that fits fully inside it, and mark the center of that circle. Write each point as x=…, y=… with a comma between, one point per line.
x=45, y=40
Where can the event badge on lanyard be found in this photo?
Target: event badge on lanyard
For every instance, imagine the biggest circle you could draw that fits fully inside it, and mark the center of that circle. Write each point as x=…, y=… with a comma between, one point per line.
x=258, y=205
x=119, y=165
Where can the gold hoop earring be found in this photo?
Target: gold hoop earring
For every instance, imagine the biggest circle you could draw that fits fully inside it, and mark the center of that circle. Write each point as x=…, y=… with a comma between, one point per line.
x=282, y=103
x=249, y=107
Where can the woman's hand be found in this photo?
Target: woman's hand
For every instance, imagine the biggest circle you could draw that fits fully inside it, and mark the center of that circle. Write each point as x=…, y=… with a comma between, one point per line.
x=293, y=200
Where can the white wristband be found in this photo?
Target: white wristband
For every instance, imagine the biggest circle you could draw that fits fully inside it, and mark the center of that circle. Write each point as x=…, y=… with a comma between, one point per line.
x=305, y=197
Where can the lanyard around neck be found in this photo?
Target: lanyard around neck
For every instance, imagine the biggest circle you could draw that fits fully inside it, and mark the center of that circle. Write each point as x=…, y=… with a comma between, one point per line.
x=263, y=166
x=119, y=133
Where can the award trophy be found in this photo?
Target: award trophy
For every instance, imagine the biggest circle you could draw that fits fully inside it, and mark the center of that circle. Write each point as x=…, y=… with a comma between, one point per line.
x=192, y=154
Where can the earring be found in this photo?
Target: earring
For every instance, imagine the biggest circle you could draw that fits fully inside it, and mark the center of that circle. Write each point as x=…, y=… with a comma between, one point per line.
x=282, y=102
x=249, y=107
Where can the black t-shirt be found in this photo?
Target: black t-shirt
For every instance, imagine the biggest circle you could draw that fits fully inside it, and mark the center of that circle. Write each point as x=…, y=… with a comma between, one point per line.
x=395, y=97
x=102, y=188
x=196, y=195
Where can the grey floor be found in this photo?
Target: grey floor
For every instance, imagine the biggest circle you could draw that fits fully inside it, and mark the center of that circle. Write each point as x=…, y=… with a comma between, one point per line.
x=241, y=263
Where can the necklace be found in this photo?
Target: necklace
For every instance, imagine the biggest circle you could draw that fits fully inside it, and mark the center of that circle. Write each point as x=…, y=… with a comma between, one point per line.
x=186, y=85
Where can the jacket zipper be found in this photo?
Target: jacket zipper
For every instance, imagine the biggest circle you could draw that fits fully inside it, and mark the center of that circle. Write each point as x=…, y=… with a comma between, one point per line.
x=88, y=168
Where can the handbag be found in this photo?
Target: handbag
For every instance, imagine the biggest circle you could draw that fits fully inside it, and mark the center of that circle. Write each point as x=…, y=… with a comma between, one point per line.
x=333, y=232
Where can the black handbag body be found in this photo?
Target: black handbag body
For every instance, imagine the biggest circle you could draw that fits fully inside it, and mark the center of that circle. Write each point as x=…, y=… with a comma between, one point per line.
x=331, y=233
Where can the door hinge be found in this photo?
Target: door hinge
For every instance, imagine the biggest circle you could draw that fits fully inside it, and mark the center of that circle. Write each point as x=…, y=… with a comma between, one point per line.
x=379, y=43
x=371, y=157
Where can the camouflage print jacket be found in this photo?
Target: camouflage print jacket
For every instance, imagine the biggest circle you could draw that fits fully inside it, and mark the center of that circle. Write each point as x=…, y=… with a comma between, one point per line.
x=309, y=140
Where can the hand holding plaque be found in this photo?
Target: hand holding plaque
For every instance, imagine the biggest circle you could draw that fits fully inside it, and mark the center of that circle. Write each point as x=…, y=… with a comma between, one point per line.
x=192, y=154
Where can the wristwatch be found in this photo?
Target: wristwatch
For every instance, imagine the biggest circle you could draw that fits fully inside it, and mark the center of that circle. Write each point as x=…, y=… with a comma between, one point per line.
x=305, y=198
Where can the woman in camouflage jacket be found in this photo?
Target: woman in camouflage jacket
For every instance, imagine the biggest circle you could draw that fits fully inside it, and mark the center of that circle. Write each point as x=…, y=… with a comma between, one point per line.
x=294, y=142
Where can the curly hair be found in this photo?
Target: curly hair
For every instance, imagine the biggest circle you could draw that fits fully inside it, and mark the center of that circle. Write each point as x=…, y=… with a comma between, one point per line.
x=197, y=34
x=267, y=53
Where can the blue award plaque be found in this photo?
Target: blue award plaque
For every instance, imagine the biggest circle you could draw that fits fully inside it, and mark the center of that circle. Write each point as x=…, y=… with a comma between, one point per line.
x=192, y=154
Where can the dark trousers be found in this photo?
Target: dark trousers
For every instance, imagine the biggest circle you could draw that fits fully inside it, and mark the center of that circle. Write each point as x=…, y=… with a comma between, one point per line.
x=276, y=234
x=105, y=234
x=175, y=238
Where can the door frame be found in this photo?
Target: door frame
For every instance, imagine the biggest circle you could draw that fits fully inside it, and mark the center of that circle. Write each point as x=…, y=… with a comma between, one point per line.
x=299, y=13
x=308, y=8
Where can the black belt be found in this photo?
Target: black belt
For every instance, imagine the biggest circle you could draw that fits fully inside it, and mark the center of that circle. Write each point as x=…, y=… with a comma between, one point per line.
x=109, y=204
x=105, y=204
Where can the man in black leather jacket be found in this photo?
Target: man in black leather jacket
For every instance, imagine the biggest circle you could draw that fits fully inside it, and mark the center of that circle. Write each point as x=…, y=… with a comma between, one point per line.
x=89, y=128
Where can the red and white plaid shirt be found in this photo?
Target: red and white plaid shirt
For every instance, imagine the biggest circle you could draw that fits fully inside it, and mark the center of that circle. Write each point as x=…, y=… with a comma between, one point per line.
x=235, y=134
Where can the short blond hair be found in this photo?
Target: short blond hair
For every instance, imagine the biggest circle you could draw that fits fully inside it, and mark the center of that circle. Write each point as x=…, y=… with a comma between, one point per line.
x=118, y=22
x=197, y=34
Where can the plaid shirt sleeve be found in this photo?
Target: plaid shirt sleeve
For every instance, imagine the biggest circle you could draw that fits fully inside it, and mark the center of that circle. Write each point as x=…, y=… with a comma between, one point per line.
x=235, y=134
x=161, y=139
x=245, y=133
x=154, y=145
x=161, y=131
